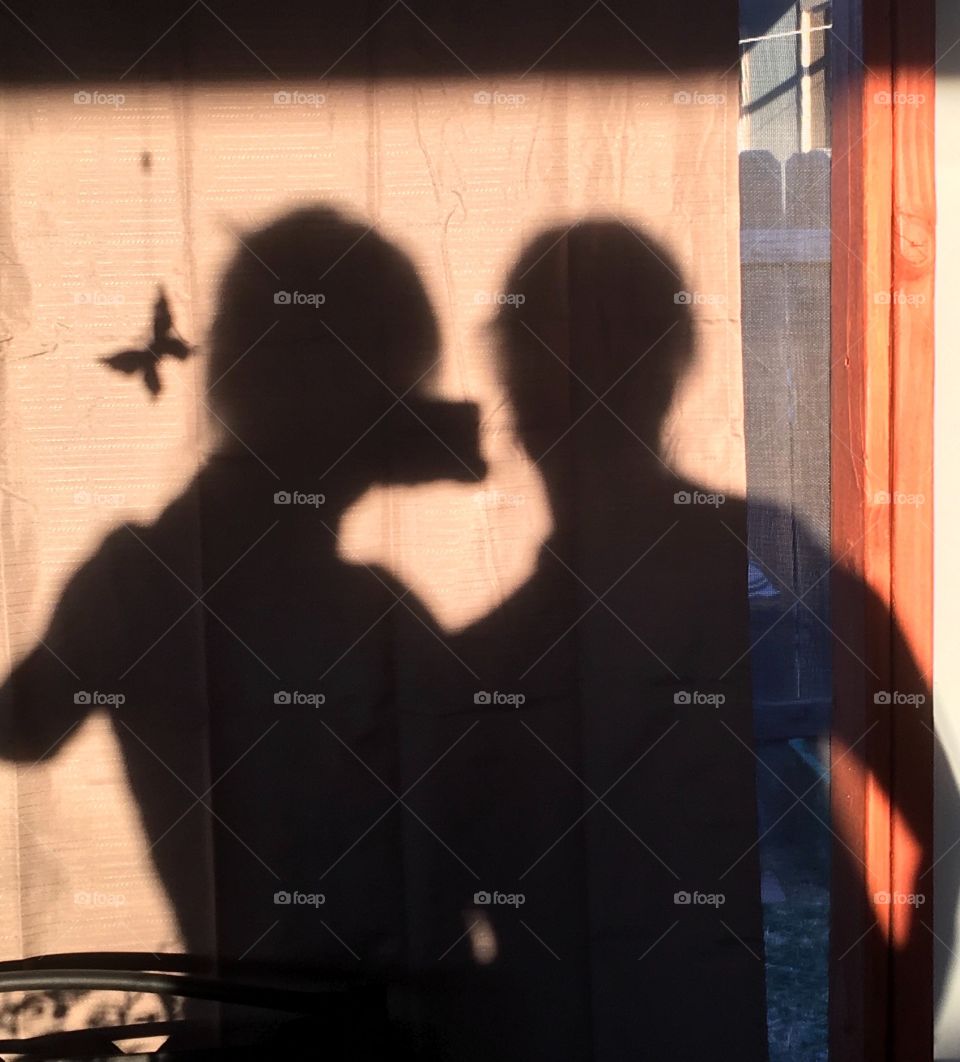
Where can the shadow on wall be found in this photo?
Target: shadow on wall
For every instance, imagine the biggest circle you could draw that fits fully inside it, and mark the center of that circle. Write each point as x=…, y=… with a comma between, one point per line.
x=311, y=42
x=540, y=833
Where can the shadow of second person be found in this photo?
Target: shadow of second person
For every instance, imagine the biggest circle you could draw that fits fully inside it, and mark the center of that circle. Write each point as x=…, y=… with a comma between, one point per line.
x=249, y=671
x=608, y=781
x=607, y=792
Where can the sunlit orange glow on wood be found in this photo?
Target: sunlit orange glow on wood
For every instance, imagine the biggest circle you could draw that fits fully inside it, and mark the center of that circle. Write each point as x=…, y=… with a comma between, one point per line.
x=882, y=421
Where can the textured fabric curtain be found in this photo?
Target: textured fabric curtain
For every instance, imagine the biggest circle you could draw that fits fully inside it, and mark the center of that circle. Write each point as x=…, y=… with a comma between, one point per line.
x=374, y=566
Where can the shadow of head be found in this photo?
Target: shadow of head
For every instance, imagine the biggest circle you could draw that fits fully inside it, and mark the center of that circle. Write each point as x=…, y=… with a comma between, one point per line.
x=323, y=350
x=595, y=331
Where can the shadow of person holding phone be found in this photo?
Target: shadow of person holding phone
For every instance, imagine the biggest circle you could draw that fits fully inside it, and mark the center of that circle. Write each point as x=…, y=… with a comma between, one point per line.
x=248, y=670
